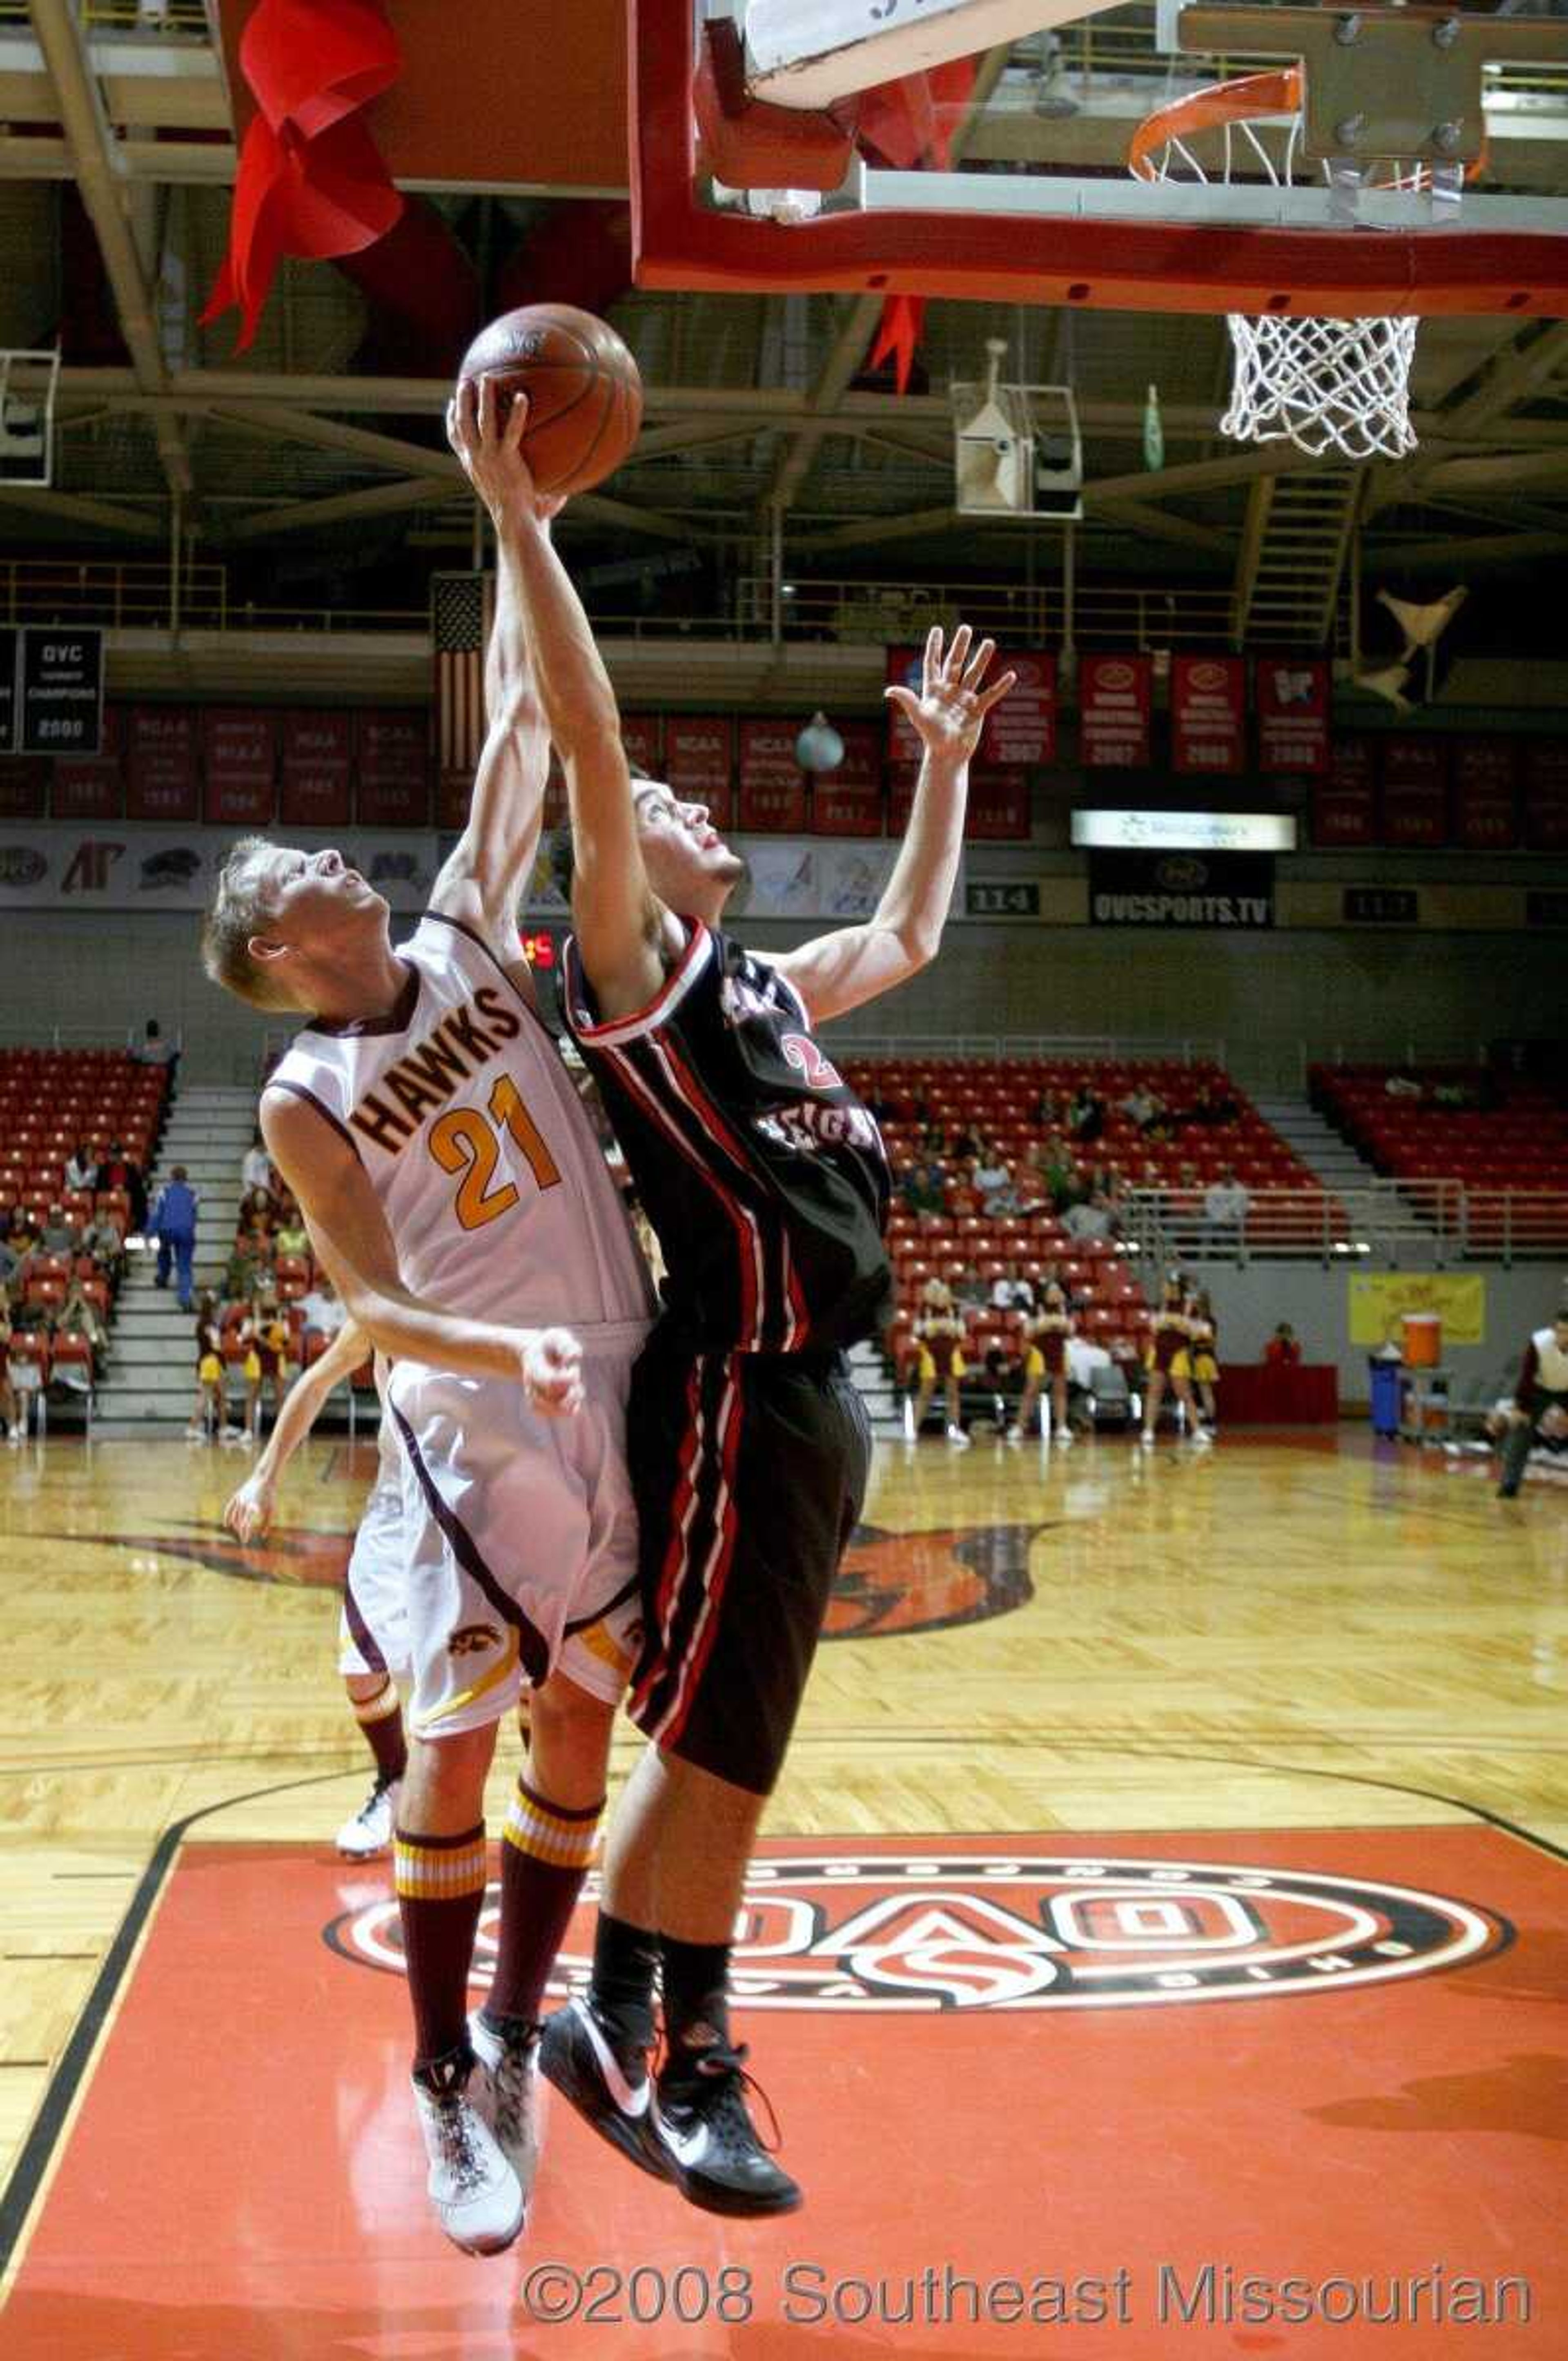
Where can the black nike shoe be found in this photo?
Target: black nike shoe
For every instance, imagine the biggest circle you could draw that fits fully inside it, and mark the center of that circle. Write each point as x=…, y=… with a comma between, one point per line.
x=704, y=2127
x=602, y=2068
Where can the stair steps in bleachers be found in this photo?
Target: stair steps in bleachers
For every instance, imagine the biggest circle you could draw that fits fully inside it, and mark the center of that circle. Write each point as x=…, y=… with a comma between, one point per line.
x=874, y=1383
x=1326, y=1153
x=149, y=1373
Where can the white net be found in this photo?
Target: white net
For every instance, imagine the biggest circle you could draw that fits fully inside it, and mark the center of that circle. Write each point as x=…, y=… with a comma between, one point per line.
x=1325, y=385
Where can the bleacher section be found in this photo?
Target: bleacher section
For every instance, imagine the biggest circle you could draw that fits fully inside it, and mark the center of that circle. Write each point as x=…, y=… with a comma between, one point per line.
x=53, y=1102
x=1495, y=1144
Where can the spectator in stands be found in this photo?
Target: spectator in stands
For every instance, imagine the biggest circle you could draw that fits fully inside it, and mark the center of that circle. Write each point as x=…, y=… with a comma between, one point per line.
x=322, y=1308
x=1404, y=1086
x=1092, y=1218
x=119, y=1170
x=1141, y=1107
x=76, y=1312
x=1046, y=1114
x=22, y=1238
x=965, y=1146
x=970, y=1292
x=102, y=1240
x=174, y=1227
x=10, y=1260
x=248, y=1267
x=1225, y=1205
x=1061, y=1173
x=256, y=1171
x=938, y=1336
x=154, y=1050
x=7, y=1391
x=925, y=1191
x=1086, y=1115
x=1283, y=1350
x=257, y=1211
x=290, y=1237
x=59, y=1236
x=990, y=1171
x=1539, y=1412
x=1003, y=1201
x=1011, y=1291
x=81, y=1167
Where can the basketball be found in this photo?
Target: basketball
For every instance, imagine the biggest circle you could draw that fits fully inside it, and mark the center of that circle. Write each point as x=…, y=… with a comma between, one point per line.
x=585, y=394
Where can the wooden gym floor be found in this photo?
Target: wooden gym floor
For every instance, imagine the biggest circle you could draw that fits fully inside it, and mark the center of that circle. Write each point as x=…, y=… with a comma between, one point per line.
x=1300, y=1657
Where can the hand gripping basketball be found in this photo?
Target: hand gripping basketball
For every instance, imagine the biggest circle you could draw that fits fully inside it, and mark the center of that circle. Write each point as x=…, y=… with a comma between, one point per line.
x=550, y=1366
x=487, y=436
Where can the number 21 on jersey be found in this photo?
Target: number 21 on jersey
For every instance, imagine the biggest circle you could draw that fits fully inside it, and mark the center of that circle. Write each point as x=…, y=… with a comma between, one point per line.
x=467, y=1140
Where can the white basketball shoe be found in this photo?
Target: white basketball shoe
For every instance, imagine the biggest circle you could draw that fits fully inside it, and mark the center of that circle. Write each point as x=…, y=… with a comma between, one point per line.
x=506, y=2091
x=477, y=2198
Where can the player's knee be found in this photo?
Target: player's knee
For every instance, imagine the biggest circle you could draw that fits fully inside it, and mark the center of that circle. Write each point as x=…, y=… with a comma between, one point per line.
x=568, y=1729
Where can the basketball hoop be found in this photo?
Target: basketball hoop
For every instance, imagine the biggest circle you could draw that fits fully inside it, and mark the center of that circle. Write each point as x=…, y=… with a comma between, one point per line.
x=1323, y=384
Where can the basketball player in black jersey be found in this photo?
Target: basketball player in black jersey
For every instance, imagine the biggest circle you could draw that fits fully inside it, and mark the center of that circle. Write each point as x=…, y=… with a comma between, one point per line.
x=766, y=1182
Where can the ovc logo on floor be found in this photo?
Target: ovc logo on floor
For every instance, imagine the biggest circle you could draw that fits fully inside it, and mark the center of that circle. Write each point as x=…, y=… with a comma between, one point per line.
x=919, y=1929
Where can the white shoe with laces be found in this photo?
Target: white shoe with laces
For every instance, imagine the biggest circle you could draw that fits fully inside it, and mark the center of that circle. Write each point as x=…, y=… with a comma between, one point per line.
x=370, y=1831
x=958, y=1438
x=477, y=2198
x=506, y=2091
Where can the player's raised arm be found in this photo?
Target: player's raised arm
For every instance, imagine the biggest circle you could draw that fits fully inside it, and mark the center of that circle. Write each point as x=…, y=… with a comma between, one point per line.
x=349, y=1235
x=249, y=1510
x=616, y=916
x=483, y=880
x=837, y=972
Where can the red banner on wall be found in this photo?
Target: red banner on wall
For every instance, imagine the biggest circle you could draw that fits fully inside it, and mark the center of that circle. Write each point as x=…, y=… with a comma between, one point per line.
x=1546, y=795
x=87, y=787
x=393, y=767
x=1413, y=805
x=1023, y=728
x=161, y=762
x=1486, y=794
x=1345, y=802
x=998, y=804
x=317, y=769
x=1116, y=695
x=1293, y=705
x=239, y=763
x=24, y=787
x=639, y=736
x=1208, y=713
x=848, y=801
x=773, y=784
x=698, y=760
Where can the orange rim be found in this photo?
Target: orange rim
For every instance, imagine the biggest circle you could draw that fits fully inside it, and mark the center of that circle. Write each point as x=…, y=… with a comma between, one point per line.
x=1249, y=98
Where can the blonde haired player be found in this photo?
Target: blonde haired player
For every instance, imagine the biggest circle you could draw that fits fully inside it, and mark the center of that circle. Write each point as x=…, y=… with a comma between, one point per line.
x=373, y=1628
x=456, y=1193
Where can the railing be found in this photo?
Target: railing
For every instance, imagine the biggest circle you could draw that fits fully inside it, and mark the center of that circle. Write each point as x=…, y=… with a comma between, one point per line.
x=1066, y=1048
x=1397, y=1224
x=122, y=593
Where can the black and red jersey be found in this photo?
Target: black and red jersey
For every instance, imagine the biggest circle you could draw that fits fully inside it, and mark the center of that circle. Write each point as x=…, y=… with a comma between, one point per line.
x=761, y=1173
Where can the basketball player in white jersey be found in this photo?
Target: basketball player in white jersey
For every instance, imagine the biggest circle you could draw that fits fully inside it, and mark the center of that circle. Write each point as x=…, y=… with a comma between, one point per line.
x=373, y=1627
x=452, y=1187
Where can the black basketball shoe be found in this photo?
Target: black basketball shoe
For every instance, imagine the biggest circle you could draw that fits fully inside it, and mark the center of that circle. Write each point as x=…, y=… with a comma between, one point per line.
x=601, y=2066
x=704, y=2130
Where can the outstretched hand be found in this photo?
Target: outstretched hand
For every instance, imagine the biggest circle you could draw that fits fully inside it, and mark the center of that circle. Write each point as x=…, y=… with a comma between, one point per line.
x=950, y=710
x=249, y=1510
x=491, y=451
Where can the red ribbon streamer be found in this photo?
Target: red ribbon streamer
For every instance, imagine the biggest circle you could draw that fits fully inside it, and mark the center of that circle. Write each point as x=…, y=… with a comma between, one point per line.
x=908, y=124
x=310, y=180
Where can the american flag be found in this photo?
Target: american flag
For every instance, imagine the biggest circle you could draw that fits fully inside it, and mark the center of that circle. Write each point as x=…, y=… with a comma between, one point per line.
x=461, y=608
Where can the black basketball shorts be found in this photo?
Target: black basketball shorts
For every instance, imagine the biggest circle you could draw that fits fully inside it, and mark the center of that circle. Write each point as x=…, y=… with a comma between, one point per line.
x=748, y=1471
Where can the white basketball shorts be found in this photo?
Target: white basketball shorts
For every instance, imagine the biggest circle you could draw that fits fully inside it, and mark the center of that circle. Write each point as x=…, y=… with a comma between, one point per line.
x=373, y=1631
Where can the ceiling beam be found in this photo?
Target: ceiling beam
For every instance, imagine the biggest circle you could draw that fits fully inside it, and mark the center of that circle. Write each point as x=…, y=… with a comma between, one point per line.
x=1453, y=555
x=1511, y=377
x=75, y=508
x=340, y=508
x=278, y=424
x=59, y=35
x=1138, y=517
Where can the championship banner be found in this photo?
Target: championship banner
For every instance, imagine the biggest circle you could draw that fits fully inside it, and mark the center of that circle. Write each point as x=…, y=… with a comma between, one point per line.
x=1208, y=714
x=998, y=806
x=1413, y=802
x=317, y=769
x=1344, y=803
x=773, y=784
x=392, y=784
x=1379, y=1301
x=24, y=787
x=1293, y=701
x=1546, y=795
x=639, y=736
x=87, y=787
x=1486, y=794
x=848, y=801
x=1181, y=889
x=1022, y=729
x=59, y=690
x=239, y=762
x=698, y=760
x=161, y=781
x=10, y=658
x=1115, y=698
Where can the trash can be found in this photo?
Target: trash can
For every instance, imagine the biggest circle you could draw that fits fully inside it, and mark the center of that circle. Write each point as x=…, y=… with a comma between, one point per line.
x=1388, y=1385
x=1423, y=1339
